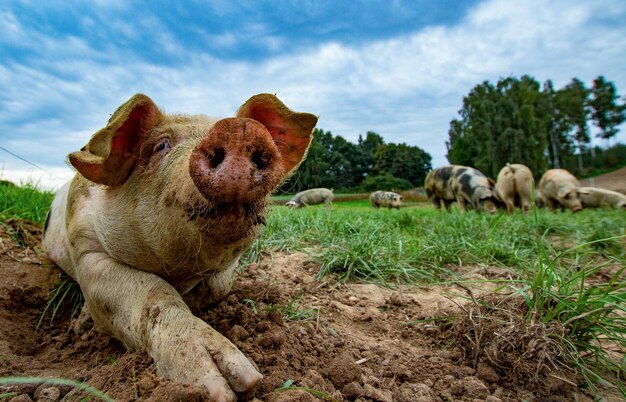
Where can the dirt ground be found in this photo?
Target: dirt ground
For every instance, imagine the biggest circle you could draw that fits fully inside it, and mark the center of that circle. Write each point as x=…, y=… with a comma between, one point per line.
x=354, y=343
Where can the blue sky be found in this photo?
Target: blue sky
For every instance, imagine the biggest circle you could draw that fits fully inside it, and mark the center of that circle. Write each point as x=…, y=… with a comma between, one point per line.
x=399, y=68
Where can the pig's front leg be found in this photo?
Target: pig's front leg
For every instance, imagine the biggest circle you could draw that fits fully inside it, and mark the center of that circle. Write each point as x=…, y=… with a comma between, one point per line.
x=146, y=313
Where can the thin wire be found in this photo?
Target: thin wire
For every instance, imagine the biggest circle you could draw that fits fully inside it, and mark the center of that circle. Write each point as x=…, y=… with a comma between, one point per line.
x=29, y=162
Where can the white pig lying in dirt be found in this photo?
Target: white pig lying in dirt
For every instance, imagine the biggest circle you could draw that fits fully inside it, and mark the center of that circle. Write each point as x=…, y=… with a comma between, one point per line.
x=514, y=187
x=313, y=196
x=163, y=206
x=559, y=188
x=592, y=197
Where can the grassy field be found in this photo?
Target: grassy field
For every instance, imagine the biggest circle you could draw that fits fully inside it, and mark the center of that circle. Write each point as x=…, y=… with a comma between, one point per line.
x=25, y=202
x=567, y=268
x=416, y=245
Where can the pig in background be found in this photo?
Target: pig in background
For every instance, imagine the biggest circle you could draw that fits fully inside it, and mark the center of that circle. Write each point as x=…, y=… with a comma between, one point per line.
x=592, y=197
x=163, y=206
x=538, y=200
x=386, y=199
x=559, y=189
x=312, y=196
x=465, y=185
x=514, y=187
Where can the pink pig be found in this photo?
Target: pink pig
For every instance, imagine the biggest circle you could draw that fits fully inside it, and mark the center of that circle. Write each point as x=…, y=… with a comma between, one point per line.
x=157, y=217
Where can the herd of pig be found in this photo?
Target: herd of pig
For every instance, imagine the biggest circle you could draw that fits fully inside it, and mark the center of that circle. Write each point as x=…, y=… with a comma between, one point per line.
x=163, y=205
x=471, y=189
x=315, y=196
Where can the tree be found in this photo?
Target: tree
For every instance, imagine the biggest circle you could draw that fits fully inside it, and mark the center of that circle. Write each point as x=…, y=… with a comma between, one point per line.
x=573, y=102
x=403, y=161
x=367, y=148
x=606, y=112
x=558, y=125
x=334, y=162
x=500, y=124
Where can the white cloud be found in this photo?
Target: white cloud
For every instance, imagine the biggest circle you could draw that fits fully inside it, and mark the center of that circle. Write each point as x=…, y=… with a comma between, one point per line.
x=51, y=179
x=407, y=88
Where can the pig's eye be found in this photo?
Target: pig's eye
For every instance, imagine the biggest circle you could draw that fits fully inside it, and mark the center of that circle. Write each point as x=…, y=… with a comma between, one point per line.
x=162, y=145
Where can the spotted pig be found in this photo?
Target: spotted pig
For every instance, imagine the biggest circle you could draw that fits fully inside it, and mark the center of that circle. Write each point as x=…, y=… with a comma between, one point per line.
x=386, y=199
x=465, y=185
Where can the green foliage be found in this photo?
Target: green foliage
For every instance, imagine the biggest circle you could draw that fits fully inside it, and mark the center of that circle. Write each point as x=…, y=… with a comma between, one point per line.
x=24, y=202
x=333, y=162
x=584, y=315
x=406, y=162
x=386, y=182
x=515, y=121
x=417, y=245
x=67, y=291
x=606, y=111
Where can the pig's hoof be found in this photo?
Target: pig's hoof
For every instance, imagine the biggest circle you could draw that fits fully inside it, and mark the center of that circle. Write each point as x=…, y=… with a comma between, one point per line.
x=205, y=357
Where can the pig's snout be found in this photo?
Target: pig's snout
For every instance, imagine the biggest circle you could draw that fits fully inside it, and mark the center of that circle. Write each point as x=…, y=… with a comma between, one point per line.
x=236, y=162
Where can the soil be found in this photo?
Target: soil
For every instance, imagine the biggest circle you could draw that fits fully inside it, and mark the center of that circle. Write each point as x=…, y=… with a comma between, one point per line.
x=615, y=181
x=331, y=341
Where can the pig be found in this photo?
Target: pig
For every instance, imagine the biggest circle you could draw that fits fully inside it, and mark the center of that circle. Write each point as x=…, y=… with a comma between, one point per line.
x=514, y=187
x=538, y=199
x=313, y=196
x=592, y=197
x=387, y=199
x=559, y=188
x=465, y=185
x=156, y=218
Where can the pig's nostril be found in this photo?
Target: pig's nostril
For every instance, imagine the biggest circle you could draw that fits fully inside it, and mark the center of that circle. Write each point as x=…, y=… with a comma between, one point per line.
x=215, y=156
x=261, y=159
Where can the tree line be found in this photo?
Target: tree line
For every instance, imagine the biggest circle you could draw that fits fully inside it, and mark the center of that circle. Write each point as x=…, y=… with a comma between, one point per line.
x=370, y=164
x=519, y=121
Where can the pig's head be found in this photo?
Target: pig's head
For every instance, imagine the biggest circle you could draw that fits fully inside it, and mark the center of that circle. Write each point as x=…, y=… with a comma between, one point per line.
x=486, y=198
x=396, y=201
x=189, y=189
x=568, y=197
x=291, y=204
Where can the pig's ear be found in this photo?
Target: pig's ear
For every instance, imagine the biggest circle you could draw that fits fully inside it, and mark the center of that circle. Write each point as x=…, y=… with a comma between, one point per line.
x=291, y=130
x=584, y=191
x=111, y=154
x=563, y=192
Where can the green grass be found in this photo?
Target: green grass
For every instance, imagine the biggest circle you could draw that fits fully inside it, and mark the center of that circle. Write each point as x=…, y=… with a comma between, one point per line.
x=25, y=202
x=557, y=262
x=419, y=245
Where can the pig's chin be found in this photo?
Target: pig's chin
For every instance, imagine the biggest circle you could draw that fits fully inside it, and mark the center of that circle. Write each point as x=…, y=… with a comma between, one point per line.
x=227, y=223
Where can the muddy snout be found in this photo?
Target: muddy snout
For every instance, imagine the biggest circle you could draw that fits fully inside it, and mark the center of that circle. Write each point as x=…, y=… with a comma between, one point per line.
x=236, y=162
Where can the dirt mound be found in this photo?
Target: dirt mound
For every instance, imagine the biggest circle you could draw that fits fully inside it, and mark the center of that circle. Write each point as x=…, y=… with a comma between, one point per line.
x=328, y=341
x=615, y=181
